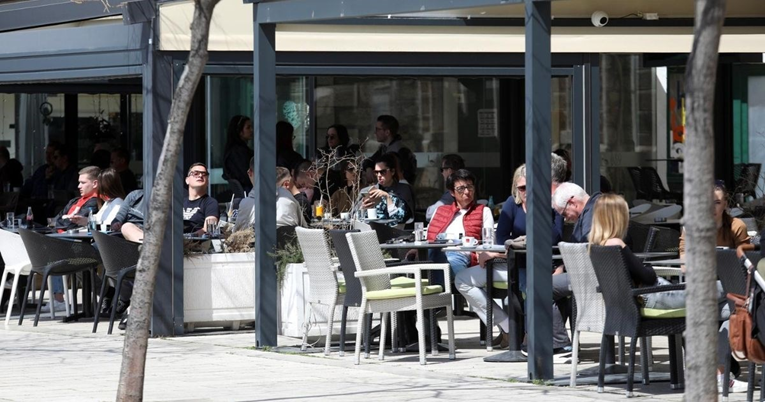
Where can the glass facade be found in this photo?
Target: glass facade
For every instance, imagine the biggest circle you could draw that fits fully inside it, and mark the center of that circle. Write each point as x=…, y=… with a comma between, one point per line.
x=437, y=116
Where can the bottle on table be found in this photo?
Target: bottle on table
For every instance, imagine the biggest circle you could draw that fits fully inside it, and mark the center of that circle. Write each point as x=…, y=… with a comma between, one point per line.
x=30, y=217
x=91, y=221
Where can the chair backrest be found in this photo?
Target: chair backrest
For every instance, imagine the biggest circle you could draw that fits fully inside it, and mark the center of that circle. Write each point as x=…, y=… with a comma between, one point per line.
x=347, y=266
x=12, y=249
x=361, y=226
x=639, y=234
x=663, y=239
x=318, y=263
x=116, y=253
x=367, y=256
x=637, y=181
x=44, y=250
x=622, y=313
x=731, y=272
x=590, y=308
x=651, y=183
x=236, y=188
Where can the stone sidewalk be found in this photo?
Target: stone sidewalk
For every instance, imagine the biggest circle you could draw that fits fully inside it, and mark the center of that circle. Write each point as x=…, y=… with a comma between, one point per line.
x=65, y=362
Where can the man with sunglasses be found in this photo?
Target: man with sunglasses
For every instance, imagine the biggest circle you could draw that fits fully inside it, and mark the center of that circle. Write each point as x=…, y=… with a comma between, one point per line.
x=449, y=164
x=198, y=207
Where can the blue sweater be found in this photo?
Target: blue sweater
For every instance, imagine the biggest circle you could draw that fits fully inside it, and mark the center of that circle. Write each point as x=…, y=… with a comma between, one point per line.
x=512, y=223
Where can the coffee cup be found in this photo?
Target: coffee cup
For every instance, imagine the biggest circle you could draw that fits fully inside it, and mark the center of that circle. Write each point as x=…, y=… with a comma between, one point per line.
x=345, y=216
x=371, y=213
x=469, y=241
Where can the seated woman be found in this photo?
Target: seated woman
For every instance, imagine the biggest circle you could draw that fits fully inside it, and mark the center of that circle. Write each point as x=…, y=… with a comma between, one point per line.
x=464, y=217
x=512, y=225
x=343, y=199
x=384, y=197
x=731, y=233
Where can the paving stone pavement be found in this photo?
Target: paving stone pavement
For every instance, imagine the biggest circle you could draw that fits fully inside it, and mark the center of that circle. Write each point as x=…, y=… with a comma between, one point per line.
x=56, y=362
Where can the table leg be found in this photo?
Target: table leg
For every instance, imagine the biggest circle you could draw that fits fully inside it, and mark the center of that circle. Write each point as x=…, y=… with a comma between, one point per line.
x=515, y=326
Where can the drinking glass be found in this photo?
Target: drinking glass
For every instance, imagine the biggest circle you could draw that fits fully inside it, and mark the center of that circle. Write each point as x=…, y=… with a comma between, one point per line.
x=419, y=231
x=487, y=234
x=10, y=219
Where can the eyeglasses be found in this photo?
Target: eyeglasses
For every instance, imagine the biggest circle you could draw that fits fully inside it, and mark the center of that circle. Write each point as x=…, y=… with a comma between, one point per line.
x=198, y=173
x=462, y=189
x=563, y=213
x=381, y=172
x=521, y=189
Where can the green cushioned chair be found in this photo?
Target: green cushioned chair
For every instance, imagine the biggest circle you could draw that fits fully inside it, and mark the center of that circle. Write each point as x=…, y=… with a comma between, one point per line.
x=662, y=313
x=405, y=282
x=396, y=293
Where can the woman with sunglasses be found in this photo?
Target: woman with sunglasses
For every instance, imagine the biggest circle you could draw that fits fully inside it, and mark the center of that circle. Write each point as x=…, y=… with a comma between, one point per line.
x=342, y=199
x=391, y=199
x=237, y=154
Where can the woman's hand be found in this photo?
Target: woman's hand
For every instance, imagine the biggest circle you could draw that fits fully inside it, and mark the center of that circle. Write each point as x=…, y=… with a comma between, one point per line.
x=486, y=256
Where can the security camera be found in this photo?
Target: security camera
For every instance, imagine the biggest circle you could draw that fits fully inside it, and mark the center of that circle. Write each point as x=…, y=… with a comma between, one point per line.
x=599, y=19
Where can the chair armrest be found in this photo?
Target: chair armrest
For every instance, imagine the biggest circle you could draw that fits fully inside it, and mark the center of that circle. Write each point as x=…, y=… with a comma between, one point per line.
x=657, y=289
x=414, y=269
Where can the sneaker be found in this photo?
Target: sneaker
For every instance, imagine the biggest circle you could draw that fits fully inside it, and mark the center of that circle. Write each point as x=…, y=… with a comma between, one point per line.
x=736, y=386
x=123, y=322
x=502, y=341
x=57, y=306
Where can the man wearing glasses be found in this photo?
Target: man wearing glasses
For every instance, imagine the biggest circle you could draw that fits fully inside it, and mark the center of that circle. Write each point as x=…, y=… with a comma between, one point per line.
x=449, y=164
x=575, y=205
x=198, y=207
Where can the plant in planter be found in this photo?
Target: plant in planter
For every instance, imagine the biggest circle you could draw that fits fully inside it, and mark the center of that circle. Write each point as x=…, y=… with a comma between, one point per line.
x=289, y=254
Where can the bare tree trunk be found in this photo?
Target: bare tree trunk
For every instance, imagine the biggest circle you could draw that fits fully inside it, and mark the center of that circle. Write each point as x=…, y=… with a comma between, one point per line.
x=701, y=293
x=137, y=335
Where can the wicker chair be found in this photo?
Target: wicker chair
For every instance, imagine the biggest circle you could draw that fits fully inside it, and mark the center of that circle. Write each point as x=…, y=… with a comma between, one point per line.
x=352, y=284
x=379, y=296
x=639, y=234
x=625, y=317
x=56, y=257
x=732, y=276
x=325, y=289
x=663, y=239
x=590, y=308
x=16, y=263
x=120, y=258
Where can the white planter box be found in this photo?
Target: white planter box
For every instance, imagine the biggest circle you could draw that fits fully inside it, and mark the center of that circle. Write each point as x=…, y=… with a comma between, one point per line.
x=218, y=290
x=293, y=305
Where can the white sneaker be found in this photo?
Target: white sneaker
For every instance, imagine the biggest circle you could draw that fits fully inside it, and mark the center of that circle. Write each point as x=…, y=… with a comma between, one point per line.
x=736, y=386
x=57, y=306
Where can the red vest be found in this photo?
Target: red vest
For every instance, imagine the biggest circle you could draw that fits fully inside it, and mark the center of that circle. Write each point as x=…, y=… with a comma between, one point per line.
x=472, y=221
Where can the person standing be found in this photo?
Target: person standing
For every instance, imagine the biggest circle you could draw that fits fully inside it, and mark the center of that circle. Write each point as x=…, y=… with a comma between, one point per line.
x=386, y=133
x=285, y=153
x=238, y=152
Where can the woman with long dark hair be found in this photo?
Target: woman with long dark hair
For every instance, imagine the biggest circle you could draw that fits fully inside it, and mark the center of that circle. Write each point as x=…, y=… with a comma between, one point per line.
x=237, y=154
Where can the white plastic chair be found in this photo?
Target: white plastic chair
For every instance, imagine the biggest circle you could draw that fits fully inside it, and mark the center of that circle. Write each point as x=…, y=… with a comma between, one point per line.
x=325, y=289
x=379, y=297
x=16, y=263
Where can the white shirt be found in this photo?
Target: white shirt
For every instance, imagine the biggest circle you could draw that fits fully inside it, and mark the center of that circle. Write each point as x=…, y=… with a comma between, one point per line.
x=457, y=226
x=108, y=211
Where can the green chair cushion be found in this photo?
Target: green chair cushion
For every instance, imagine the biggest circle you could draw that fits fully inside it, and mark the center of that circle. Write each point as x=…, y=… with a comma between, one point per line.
x=397, y=293
x=341, y=286
x=662, y=313
x=500, y=285
x=404, y=282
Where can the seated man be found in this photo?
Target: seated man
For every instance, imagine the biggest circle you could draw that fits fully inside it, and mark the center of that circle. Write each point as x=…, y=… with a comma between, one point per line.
x=449, y=164
x=288, y=210
x=464, y=217
x=79, y=207
x=198, y=208
x=129, y=218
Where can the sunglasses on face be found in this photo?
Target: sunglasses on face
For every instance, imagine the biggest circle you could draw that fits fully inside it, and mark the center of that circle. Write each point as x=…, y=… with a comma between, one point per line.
x=381, y=172
x=521, y=189
x=198, y=173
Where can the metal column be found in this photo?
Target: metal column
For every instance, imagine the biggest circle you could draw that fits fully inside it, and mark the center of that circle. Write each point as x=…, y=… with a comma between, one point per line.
x=538, y=182
x=264, y=119
x=587, y=124
x=167, y=311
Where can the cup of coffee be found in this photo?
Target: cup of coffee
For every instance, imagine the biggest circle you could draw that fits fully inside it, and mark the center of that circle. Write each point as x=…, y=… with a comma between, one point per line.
x=371, y=213
x=469, y=241
x=345, y=216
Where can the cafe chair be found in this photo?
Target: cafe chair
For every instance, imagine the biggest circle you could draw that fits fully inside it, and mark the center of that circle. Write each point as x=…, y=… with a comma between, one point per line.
x=379, y=296
x=326, y=290
x=626, y=317
x=637, y=181
x=16, y=263
x=732, y=276
x=639, y=233
x=120, y=258
x=589, y=304
x=56, y=257
x=662, y=239
x=653, y=187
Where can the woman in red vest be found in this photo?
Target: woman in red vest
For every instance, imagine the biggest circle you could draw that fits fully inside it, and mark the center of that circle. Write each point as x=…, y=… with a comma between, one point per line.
x=464, y=218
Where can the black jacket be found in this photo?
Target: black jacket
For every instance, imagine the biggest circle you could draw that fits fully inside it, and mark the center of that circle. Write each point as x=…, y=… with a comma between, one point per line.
x=67, y=224
x=236, y=161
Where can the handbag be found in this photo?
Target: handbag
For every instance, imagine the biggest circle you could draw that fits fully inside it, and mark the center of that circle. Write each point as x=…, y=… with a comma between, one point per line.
x=742, y=332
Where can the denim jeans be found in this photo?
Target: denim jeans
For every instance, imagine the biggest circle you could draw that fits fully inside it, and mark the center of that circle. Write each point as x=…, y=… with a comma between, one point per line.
x=457, y=262
x=57, y=283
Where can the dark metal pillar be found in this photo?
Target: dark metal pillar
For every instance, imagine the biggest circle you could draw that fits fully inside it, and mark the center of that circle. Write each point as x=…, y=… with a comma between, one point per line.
x=264, y=119
x=538, y=221
x=167, y=313
x=587, y=124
